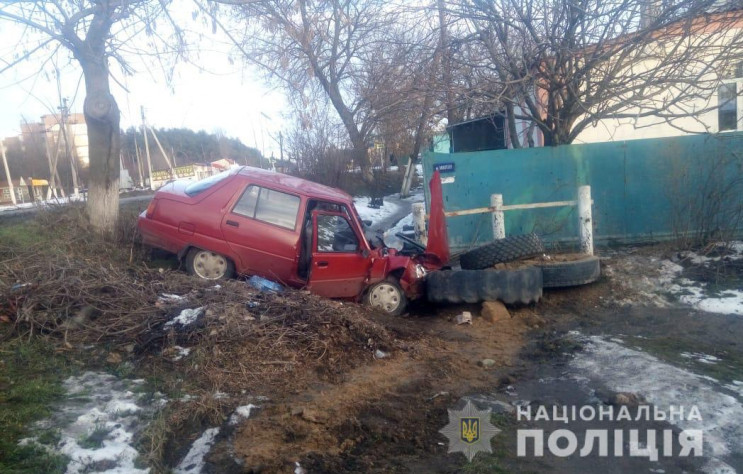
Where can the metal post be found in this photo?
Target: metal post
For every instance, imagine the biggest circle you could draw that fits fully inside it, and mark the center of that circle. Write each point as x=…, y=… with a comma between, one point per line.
x=419, y=222
x=7, y=173
x=585, y=220
x=499, y=222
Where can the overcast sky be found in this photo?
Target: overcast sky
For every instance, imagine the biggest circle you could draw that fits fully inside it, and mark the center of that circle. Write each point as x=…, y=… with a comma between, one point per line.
x=216, y=95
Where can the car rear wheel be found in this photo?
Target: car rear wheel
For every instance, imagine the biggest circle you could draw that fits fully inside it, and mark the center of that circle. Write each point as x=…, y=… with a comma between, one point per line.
x=209, y=265
x=387, y=296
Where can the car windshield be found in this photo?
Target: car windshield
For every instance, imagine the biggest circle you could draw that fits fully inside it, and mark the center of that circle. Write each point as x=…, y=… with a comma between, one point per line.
x=202, y=185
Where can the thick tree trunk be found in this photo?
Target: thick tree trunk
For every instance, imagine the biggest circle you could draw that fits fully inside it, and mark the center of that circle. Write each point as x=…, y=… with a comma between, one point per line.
x=104, y=143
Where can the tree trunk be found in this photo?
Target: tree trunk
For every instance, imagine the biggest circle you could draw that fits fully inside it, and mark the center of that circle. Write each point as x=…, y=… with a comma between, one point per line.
x=104, y=143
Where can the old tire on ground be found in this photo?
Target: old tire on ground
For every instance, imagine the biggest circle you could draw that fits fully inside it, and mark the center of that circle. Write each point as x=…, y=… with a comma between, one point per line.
x=570, y=273
x=387, y=296
x=209, y=265
x=523, y=285
x=511, y=248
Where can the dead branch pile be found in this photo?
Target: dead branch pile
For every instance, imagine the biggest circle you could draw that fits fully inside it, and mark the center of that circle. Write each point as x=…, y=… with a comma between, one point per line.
x=82, y=291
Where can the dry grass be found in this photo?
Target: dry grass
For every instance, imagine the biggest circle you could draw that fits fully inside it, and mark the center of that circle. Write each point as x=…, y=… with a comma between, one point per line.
x=79, y=291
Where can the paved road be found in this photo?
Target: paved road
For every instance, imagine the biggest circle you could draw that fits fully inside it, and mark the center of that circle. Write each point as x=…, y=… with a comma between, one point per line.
x=13, y=214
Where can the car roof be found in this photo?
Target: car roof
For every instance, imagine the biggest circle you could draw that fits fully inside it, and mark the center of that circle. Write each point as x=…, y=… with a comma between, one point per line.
x=292, y=183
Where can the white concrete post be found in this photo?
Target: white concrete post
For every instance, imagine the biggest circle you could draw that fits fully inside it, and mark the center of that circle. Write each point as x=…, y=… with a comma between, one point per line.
x=499, y=222
x=7, y=174
x=585, y=220
x=419, y=222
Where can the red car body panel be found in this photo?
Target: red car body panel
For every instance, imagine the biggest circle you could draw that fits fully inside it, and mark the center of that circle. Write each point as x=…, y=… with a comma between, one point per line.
x=177, y=222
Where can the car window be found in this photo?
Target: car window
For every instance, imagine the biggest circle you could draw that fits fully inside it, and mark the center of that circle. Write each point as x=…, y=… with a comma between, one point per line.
x=334, y=234
x=202, y=185
x=268, y=205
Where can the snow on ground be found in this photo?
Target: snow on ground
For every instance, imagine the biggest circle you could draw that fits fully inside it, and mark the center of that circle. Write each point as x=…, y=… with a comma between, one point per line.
x=193, y=463
x=242, y=413
x=42, y=204
x=186, y=317
x=627, y=370
x=97, y=423
x=375, y=215
x=649, y=278
x=407, y=220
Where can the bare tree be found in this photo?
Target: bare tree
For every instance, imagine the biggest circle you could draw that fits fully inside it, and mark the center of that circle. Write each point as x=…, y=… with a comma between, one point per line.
x=566, y=64
x=307, y=44
x=93, y=32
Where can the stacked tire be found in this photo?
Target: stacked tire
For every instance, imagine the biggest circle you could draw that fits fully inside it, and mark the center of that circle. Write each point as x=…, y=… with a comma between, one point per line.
x=479, y=281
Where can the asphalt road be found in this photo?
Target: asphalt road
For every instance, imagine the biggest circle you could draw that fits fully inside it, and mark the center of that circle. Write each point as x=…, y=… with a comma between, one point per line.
x=19, y=214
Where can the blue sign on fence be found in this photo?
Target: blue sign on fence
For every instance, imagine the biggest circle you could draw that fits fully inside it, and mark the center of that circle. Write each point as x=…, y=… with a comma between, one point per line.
x=444, y=167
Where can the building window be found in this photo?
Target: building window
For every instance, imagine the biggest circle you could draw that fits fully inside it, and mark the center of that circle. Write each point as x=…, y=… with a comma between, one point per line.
x=727, y=113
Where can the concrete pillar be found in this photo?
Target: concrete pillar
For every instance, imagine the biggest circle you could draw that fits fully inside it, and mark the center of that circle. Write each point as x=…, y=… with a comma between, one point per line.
x=499, y=223
x=419, y=222
x=585, y=220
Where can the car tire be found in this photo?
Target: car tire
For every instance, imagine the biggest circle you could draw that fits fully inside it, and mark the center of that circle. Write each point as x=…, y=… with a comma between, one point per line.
x=511, y=248
x=571, y=273
x=523, y=285
x=209, y=265
x=387, y=296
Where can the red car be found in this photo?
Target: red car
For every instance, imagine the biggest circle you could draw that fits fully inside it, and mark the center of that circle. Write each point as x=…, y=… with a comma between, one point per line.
x=249, y=221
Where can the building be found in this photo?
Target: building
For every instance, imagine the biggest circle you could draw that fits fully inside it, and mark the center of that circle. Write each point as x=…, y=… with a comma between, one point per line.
x=715, y=104
x=20, y=188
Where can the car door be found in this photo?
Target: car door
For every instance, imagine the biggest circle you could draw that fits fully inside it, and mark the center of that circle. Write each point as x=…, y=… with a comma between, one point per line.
x=340, y=263
x=261, y=229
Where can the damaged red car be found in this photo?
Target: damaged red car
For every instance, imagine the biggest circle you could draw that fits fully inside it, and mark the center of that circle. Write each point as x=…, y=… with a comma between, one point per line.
x=249, y=221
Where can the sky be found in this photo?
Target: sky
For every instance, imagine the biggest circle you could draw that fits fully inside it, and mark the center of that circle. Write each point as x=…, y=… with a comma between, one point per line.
x=211, y=95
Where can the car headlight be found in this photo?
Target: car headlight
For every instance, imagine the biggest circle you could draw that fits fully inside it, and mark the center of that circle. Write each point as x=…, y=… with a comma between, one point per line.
x=420, y=271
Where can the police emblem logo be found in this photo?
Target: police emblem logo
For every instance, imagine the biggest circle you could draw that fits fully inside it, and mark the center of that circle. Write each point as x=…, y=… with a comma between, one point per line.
x=469, y=431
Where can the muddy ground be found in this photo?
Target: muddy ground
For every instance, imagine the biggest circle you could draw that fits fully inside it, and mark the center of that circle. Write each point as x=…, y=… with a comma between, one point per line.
x=332, y=387
x=385, y=416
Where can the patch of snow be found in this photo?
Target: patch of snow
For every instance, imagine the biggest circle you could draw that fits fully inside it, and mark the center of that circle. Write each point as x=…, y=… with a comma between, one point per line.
x=43, y=204
x=97, y=423
x=182, y=352
x=626, y=370
x=298, y=469
x=186, y=317
x=407, y=220
x=375, y=215
x=169, y=298
x=193, y=463
x=242, y=413
x=699, y=357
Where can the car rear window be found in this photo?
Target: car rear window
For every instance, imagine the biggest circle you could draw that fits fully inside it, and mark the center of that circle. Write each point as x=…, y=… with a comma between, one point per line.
x=268, y=205
x=202, y=185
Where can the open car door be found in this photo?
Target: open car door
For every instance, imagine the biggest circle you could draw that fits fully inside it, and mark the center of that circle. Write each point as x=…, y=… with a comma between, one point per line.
x=340, y=263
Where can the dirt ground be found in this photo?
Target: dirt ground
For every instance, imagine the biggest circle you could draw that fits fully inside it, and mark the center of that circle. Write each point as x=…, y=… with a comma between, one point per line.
x=340, y=388
x=385, y=416
x=380, y=417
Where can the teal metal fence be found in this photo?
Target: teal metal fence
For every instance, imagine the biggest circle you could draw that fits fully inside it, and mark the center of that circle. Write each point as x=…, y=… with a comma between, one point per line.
x=643, y=190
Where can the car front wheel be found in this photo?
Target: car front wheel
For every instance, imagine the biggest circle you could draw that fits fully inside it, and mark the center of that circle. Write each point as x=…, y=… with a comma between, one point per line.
x=387, y=296
x=209, y=265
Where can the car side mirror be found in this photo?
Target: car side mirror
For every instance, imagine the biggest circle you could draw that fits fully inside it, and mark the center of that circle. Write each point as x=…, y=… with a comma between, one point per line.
x=367, y=222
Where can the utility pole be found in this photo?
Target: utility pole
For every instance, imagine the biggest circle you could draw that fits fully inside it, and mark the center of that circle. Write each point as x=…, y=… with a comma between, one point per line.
x=7, y=173
x=64, y=114
x=140, y=169
x=147, y=148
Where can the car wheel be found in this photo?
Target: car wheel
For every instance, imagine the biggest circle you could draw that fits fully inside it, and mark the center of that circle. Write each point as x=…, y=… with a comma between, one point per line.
x=571, y=273
x=209, y=265
x=511, y=248
x=523, y=285
x=387, y=296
